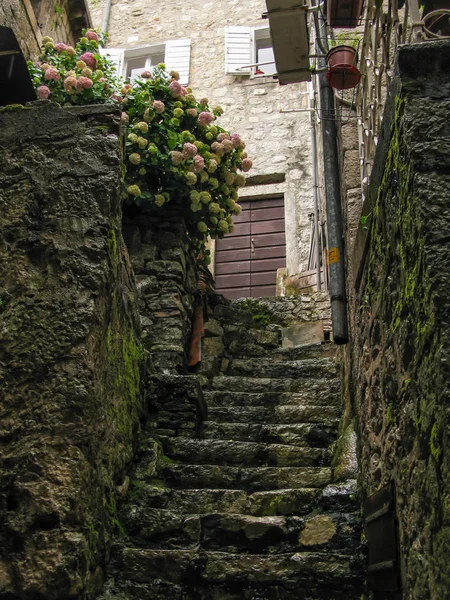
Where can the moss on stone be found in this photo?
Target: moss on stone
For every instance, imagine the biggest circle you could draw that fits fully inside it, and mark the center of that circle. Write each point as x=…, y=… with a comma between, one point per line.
x=259, y=313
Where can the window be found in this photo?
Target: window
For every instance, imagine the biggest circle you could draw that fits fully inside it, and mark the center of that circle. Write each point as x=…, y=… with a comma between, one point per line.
x=246, y=51
x=134, y=66
x=131, y=62
x=263, y=51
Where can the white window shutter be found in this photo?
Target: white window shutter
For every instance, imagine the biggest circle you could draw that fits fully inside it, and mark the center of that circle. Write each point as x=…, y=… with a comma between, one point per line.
x=238, y=50
x=178, y=58
x=116, y=56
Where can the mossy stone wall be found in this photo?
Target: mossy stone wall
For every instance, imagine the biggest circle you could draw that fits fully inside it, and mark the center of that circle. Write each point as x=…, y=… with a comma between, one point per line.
x=70, y=357
x=399, y=356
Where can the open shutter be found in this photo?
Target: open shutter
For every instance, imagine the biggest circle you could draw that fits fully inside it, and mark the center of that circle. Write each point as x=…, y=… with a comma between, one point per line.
x=115, y=55
x=238, y=50
x=178, y=57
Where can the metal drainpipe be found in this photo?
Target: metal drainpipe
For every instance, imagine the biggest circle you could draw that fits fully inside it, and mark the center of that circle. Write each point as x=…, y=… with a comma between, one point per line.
x=335, y=239
x=106, y=15
x=315, y=184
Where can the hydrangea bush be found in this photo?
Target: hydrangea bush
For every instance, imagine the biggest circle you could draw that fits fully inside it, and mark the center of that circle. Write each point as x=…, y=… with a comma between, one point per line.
x=176, y=154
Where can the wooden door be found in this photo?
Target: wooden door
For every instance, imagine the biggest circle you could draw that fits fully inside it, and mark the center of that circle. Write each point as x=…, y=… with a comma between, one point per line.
x=247, y=259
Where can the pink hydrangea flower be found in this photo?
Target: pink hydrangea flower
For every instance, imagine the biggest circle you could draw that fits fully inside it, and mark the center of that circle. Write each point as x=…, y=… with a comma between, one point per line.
x=52, y=73
x=192, y=112
x=176, y=157
x=83, y=83
x=205, y=118
x=223, y=136
x=158, y=106
x=236, y=139
x=218, y=148
x=247, y=164
x=125, y=118
x=175, y=89
x=146, y=74
x=92, y=36
x=43, y=92
x=184, y=91
x=60, y=47
x=70, y=84
x=189, y=150
x=89, y=59
x=199, y=163
x=227, y=145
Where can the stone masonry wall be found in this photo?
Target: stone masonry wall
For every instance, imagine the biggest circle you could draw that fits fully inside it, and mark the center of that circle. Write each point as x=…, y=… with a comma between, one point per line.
x=30, y=21
x=70, y=355
x=400, y=377
x=166, y=279
x=272, y=119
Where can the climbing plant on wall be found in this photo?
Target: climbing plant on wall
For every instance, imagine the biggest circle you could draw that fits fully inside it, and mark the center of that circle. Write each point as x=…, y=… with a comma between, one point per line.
x=176, y=154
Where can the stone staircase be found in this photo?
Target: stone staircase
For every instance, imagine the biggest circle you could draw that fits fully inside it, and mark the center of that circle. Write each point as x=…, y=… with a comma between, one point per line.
x=235, y=499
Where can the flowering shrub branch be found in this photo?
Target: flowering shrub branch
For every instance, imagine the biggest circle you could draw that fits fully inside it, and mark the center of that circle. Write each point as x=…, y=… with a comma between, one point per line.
x=175, y=152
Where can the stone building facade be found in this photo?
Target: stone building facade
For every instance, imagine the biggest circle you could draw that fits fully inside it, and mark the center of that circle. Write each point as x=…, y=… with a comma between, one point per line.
x=273, y=120
x=31, y=20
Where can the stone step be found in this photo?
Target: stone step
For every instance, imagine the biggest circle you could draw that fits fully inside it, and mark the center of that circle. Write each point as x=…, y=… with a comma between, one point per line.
x=324, y=415
x=288, y=501
x=159, y=590
x=251, y=479
x=312, y=351
x=204, y=501
x=311, y=574
x=272, y=385
x=323, y=368
x=319, y=392
x=249, y=341
x=298, y=434
x=226, y=452
x=154, y=528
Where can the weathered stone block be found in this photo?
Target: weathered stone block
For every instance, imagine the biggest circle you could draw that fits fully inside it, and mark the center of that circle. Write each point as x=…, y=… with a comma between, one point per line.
x=70, y=355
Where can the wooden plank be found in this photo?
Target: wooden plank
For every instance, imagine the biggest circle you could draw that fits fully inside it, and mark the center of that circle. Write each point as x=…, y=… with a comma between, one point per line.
x=240, y=229
x=270, y=252
x=232, y=255
x=231, y=243
x=268, y=239
x=231, y=281
x=267, y=264
x=276, y=226
x=242, y=217
x=263, y=290
x=267, y=214
x=264, y=278
x=267, y=203
x=227, y=268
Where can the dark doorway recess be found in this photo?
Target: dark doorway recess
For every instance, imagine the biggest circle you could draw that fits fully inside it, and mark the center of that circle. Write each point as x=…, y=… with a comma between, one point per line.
x=380, y=525
x=247, y=259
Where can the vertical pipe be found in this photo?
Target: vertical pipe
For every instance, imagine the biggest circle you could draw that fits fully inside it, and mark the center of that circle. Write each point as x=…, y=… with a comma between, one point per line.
x=315, y=184
x=106, y=15
x=335, y=236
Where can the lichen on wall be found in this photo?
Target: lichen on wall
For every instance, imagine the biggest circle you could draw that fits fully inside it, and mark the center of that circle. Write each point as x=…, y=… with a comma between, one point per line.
x=70, y=358
x=399, y=355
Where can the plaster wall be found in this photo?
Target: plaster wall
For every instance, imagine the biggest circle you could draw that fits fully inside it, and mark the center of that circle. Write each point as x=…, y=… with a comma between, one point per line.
x=273, y=120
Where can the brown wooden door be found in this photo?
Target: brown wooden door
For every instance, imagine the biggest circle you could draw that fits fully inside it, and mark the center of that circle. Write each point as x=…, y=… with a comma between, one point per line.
x=247, y=259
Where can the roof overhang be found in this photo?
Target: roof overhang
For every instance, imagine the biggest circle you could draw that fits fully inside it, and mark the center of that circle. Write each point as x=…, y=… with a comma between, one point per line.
x=289, y=31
